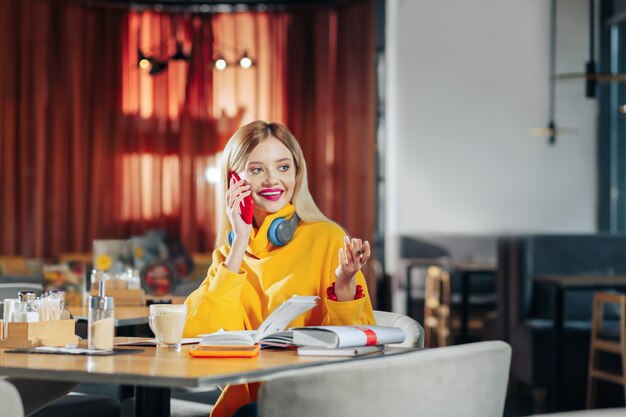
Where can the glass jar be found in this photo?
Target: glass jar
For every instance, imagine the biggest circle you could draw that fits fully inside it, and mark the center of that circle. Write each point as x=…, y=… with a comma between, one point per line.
x=101, y=323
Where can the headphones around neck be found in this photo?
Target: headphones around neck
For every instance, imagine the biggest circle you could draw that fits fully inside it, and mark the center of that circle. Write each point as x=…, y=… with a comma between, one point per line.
x=281, y=230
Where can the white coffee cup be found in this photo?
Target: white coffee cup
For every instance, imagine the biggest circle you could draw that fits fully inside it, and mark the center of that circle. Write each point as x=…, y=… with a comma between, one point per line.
x=167, y=322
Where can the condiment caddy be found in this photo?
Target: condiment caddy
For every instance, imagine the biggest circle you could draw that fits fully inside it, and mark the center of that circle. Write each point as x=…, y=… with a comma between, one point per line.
x=40, y=333
x=30, y=322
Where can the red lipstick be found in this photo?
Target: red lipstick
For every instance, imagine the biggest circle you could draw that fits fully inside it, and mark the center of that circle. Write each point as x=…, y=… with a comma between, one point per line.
x=272, y=194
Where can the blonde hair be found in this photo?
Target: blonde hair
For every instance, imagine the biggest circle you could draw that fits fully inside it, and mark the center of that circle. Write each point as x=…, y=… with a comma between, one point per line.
x=234, y=157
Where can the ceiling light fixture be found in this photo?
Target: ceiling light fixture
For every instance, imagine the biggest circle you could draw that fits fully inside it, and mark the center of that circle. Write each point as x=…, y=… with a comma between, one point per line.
x=153, y=65
x=551, y=131
x=244, y=62
x=220, y=63
x=591, y=76
x=179, y=54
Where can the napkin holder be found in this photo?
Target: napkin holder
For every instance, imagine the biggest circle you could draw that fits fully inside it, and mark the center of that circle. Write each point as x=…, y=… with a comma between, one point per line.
x=41, y=333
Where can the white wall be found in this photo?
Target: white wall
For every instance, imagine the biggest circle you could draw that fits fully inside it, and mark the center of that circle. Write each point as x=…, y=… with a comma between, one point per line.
x=466, y=82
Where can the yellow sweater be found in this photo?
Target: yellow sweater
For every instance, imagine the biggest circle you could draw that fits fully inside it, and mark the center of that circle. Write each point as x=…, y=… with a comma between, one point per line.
x=270, y=275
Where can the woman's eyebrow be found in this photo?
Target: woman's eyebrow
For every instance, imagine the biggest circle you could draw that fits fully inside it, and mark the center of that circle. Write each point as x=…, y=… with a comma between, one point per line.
x=278, y=160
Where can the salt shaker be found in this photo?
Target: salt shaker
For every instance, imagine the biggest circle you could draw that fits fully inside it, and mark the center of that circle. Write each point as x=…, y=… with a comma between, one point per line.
x=27, y=313
x=101, y=324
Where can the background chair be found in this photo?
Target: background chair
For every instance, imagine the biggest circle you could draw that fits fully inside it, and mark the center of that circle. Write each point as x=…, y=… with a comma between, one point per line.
x=437, y=307
x=466, y=380
x=10, y=400
x=609, y=341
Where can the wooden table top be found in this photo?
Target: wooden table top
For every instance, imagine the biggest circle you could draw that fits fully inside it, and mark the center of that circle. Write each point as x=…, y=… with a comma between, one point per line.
x=156, y=367
x=124, y=316
x=581, y=280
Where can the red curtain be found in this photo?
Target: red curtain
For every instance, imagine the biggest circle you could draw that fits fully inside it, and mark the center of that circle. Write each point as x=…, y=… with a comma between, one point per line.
x=91, y=146
x=331, y=96
x=59, y=124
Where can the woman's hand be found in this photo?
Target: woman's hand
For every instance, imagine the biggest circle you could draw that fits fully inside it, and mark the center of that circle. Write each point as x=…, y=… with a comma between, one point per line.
x=352, y=257
x=235, y=194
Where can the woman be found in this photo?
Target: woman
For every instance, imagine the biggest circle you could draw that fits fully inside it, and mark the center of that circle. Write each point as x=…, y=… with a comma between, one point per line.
x=250, y=276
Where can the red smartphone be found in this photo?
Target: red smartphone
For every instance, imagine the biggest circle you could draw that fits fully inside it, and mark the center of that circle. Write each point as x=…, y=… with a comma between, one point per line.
x=247, y=205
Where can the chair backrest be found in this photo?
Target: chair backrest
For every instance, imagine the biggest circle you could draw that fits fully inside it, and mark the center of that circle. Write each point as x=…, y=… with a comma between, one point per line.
x=10, y=400
x=414, y=331
x=465, y=380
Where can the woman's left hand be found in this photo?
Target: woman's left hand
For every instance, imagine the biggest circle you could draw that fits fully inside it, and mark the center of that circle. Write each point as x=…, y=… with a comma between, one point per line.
x=352, y=257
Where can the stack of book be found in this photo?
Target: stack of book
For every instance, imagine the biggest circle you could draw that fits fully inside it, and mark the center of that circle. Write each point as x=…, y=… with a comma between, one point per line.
x=314, y=340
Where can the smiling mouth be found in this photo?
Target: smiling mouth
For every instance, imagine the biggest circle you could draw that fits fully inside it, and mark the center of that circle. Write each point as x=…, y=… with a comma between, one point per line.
x=271, y=195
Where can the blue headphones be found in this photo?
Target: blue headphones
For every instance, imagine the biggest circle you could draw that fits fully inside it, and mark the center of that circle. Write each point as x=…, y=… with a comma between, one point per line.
x=281, y=230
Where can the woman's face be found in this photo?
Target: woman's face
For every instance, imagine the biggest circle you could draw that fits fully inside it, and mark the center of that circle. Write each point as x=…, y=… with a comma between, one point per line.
x=271, y=172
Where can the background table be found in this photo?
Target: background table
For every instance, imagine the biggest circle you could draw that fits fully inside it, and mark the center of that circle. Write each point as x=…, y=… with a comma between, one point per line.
x=124, y=316
x=562, y=283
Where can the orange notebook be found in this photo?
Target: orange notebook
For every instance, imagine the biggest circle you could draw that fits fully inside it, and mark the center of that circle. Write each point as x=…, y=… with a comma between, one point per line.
x=225, y=351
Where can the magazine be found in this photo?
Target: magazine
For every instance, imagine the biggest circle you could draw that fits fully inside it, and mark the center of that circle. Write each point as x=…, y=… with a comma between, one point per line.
x=271, y=332
x=347, y=336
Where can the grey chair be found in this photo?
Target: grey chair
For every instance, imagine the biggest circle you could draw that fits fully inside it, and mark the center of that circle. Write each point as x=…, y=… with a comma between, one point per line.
x=465, y=380
x=10, y=400
x=414, y=331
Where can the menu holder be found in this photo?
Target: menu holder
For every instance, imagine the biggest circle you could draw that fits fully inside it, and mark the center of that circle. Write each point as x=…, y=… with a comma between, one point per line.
x=41, y=333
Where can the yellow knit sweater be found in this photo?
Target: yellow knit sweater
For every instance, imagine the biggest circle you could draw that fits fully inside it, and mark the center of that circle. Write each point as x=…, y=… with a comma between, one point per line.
x=269, y=275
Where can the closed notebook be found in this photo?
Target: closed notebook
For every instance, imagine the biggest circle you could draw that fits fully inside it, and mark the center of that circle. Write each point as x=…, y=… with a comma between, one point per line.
x=347, y=336
x=349, y=351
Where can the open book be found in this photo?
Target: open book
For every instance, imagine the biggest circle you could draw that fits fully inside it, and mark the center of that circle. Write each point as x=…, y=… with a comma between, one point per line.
x=271, y=332
x=332, y=337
